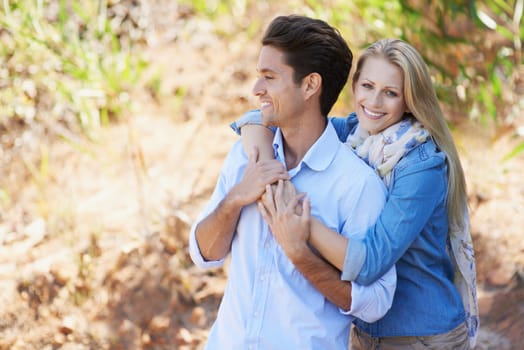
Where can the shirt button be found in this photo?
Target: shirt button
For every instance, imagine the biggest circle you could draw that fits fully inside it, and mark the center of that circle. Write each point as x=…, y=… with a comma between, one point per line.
x=261, y=278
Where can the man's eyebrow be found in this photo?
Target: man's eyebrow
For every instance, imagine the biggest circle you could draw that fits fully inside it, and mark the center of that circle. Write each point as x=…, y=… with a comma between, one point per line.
x=266, y=70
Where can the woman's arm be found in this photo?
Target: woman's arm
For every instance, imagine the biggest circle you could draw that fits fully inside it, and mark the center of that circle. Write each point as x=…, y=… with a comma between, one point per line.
x=330, y=244
x=417, y=193
x=292, y=229
x=258, y=136
x=411, y=202
x=409, y=206
x=253, y=133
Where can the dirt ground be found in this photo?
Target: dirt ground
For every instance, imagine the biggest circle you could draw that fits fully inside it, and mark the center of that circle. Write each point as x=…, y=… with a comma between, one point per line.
x=94, y=248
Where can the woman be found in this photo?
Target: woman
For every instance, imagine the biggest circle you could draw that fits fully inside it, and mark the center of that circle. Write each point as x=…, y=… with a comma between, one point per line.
x=399, y=130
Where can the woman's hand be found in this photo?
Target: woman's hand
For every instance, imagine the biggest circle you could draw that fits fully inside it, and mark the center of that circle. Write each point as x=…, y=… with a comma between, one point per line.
x=288, y=214
x=257, y=175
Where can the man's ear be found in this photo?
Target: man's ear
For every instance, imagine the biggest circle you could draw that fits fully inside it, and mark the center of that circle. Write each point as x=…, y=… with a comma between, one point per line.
x=311, y=84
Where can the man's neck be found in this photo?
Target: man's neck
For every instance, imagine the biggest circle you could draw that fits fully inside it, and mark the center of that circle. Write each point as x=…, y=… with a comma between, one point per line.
x=298, y=139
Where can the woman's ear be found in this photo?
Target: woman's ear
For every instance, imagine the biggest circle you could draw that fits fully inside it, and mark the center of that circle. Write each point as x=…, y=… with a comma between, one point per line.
x=312, y=84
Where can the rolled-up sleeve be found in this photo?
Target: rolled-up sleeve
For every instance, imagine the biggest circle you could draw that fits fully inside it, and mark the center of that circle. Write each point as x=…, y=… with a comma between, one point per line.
x=222, y=187
x=251, y=117
x=196, y=255
x=370, y=303
x=342, y=125
x=354, y=259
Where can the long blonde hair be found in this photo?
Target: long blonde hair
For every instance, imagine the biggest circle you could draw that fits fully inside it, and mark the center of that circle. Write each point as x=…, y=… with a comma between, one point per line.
x=422, y=102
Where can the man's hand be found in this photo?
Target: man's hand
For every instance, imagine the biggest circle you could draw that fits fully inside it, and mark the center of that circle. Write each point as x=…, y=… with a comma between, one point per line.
x=291, y=228
x=215, y=233
x=257, y=175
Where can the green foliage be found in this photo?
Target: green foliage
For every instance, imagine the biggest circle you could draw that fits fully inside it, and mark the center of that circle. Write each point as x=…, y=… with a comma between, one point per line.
x=473, y=48
x=214, y=9
x=62, y=60
x=516, y=151
x=69, y=60
x=472, y=59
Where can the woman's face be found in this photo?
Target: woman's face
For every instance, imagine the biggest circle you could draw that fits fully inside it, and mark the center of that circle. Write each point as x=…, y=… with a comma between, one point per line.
x=379, y=95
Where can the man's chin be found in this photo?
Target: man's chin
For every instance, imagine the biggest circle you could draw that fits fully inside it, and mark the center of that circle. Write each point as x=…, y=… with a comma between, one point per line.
x=267, y=121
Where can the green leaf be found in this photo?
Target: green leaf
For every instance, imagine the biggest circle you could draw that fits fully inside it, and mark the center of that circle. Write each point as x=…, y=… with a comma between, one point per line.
x=515, y=152
x=496, y=84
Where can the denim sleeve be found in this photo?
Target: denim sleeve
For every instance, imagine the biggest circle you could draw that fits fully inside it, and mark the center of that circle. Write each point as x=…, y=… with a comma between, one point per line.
x=412, y=199
x=344, y=125
x=253, y=116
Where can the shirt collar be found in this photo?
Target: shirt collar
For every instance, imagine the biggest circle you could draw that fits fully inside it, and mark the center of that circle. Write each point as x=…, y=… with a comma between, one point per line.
x=319, y=156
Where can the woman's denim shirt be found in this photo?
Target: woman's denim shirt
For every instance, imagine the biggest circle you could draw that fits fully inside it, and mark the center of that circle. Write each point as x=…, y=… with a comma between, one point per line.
x=411, y=232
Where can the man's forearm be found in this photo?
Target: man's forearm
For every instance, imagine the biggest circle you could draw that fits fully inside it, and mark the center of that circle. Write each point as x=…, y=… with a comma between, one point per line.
x=215, y=233
x=324, y=277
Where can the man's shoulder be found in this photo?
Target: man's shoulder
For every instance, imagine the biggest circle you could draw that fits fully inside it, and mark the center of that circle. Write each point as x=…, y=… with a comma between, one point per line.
x=235, y=161
x=347, y=158
x=355, y=172
x=236, y=154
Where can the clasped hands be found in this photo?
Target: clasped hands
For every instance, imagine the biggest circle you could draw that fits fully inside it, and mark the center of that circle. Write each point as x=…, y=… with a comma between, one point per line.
x=288, y=214
x=285, y=211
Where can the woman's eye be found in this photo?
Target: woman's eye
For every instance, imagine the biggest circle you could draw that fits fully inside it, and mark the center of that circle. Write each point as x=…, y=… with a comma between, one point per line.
x=367, y=85
x=391, y=94
x=268, y=77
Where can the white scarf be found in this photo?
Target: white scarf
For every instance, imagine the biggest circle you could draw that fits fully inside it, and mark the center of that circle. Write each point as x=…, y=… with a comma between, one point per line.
x=382, y=152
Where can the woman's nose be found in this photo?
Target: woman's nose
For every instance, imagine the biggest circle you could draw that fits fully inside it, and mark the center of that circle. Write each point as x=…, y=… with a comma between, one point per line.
x=376, y=99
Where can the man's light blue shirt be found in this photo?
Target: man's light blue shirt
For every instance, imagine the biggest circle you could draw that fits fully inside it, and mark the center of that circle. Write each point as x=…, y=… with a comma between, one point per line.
x=268, y=303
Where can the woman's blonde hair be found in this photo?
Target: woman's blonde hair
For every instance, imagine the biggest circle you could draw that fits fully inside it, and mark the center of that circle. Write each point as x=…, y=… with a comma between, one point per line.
x=422, y=102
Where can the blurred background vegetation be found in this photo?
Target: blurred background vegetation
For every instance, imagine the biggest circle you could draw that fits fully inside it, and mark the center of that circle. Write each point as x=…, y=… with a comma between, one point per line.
x=474, y=48
x=73, y=63
x=66, y=61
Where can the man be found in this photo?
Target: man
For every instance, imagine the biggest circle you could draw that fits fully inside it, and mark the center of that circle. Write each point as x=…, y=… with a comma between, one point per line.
x=269, y=303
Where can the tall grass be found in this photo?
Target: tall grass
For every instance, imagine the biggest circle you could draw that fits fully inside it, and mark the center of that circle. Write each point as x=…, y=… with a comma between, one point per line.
x=63, y=61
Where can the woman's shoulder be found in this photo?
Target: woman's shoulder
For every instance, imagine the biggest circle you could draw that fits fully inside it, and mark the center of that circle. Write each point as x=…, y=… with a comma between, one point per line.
x=349, y=120
x=424, y=168
x=344, y=125
x=425, y=156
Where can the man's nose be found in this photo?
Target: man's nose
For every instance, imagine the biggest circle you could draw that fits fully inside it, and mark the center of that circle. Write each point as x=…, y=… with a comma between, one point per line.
x=258, y=88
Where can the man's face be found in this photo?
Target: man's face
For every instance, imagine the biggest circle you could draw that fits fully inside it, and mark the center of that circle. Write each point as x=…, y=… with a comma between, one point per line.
x=281, y=100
